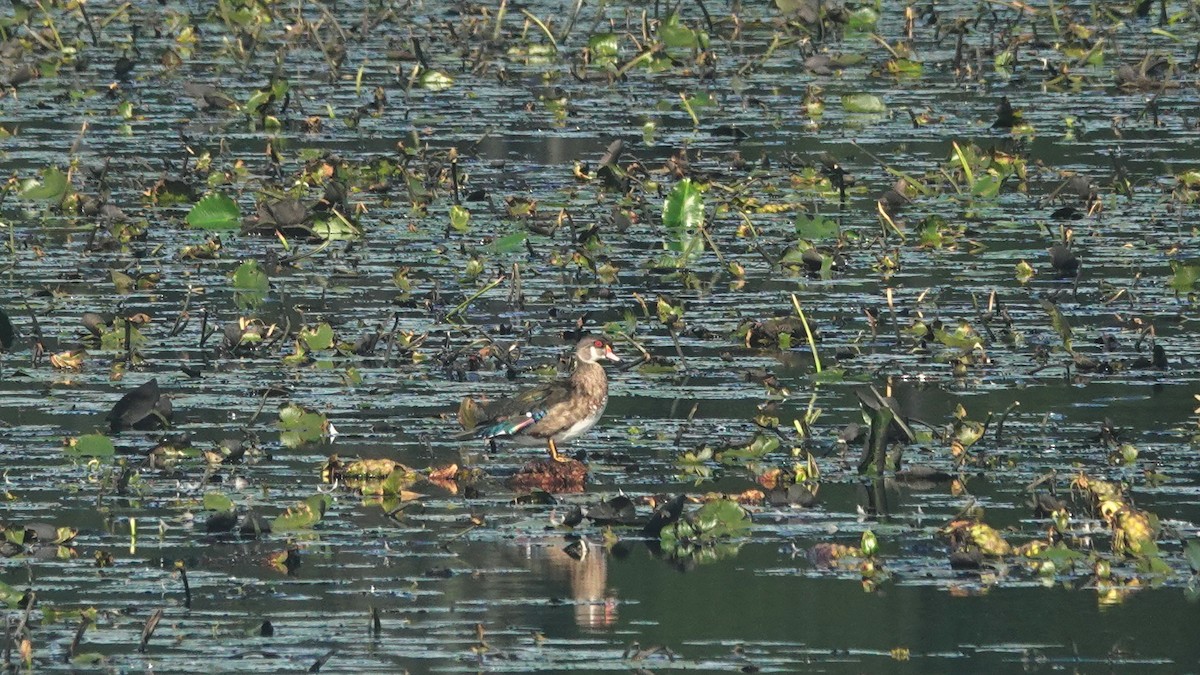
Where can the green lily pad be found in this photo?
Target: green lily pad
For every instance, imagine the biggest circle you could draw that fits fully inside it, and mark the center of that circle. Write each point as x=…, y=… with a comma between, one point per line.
x=722, y=518
x=847, y=60
x=1061, y=556
x=298, y=426
x=215, y=211
x=1192, y=553
x=863, y=103
x=678, y=36
x=303, y=515
x=216, y=501
x=696, y=535
x=760, y=446
x=398, y=482
x=987, y=186
x=830, y=375
x=815, y=226
x=604, y=48
x=905, y=67
x=317, y=339
x=510, y=243
x=52, y=187
x=1183, y=276
x=9, y=595
x=683, y=216
x=862, y=19
x=435, y=80
x=250, y=284
x=88, y=659
x=957, y=339
x=91, y=445
x=1152, y=563
x=335, y=228
x=250, y=276
x=460, y=218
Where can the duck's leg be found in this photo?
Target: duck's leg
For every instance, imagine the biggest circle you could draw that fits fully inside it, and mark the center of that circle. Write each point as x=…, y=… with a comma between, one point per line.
x=554, y=455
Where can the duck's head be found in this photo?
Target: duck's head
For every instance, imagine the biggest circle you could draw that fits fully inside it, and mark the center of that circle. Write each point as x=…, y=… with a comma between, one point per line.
x=593, y=348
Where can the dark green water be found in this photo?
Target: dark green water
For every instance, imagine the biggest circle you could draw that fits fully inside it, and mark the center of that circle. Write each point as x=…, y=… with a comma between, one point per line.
x=434, y=577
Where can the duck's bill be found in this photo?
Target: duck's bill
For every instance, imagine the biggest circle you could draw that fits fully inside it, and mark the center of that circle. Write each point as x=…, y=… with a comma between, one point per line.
x=610, y=355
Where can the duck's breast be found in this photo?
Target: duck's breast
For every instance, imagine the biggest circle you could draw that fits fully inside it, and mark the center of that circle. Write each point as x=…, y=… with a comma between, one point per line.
x=579, y=428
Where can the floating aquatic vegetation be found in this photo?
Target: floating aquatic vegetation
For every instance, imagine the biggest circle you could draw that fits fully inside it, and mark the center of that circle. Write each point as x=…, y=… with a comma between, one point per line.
x=90, y=445
x=250, y=284
x=302, y=515
x=707, y=534
x=683, y=221
x=215, y=211
x=299, y=425
x=415, y=203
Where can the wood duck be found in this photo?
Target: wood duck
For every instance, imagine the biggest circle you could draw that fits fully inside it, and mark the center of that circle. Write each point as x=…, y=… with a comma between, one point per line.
x=554, y=412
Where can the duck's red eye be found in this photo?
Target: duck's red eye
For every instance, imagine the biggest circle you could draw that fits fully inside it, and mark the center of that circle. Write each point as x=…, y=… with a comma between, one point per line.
x=598, y=343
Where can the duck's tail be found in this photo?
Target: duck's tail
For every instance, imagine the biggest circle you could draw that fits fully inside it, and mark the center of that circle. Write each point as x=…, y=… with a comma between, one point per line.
x=467, y=434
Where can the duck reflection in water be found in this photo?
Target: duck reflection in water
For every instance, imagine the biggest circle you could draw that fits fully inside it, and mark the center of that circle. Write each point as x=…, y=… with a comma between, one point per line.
x=583, y=564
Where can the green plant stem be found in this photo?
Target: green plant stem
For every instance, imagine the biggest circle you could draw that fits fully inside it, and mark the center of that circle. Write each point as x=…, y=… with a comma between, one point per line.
x=644, y=56
x=687, y=105
x=812, y=343
x=538, y=22
x=499, y=20
x=966, y=166
x=457, y=310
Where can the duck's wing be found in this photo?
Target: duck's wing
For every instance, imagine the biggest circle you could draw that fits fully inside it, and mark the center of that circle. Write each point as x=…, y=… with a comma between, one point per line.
x=508, y=416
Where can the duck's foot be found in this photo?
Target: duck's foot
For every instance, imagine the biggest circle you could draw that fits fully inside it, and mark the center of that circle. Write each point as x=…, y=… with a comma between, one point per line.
x=558, y=475
x=555, y=454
